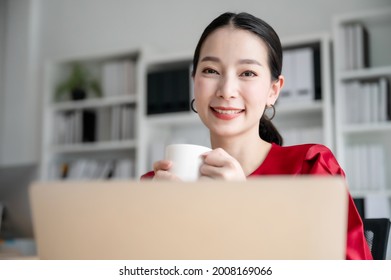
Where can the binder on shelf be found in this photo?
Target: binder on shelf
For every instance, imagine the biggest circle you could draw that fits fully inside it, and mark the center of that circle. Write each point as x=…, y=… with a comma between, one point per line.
x=384, y=88
x=366, y=168
x=302, y=72
x=288, y=70
x=130, y=77
x=153, y=87
x=118, y=77
x=88, y=126
x=103, y=124
x=367, y=102
x=356, y=46
x=168, y=90
x=183, y=90
x=361, y=44
x=349, y=42
x=317, y=72
x=360, y=205
x=115, y=123
x=127, y=122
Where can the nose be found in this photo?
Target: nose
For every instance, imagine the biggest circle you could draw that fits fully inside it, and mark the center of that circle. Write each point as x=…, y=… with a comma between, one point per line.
x=228, y=87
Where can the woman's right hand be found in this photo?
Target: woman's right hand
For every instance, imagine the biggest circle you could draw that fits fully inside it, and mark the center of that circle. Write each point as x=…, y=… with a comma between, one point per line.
x=162, y=173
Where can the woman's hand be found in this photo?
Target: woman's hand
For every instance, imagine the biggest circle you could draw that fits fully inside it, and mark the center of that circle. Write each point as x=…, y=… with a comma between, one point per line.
x=161, y=168
x=218, y=164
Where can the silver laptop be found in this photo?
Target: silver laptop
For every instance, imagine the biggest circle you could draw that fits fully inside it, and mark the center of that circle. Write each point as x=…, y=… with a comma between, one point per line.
x=265, y=218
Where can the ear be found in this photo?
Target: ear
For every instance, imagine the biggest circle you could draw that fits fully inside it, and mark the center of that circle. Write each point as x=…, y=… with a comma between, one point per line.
x=275, y=89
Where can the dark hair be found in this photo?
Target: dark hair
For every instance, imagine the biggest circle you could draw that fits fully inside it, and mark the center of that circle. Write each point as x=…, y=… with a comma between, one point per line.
x=245, y=21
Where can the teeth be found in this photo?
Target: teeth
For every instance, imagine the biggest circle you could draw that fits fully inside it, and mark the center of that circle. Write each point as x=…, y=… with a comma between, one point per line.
x=228, y=112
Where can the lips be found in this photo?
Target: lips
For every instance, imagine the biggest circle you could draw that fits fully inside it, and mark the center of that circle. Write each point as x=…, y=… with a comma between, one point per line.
x=226, y=113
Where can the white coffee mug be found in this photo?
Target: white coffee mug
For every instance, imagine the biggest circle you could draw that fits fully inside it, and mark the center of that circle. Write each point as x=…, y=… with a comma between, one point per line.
x=186, y=160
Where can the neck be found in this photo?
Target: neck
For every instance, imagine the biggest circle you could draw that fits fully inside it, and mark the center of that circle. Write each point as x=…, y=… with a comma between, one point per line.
x=250, y=152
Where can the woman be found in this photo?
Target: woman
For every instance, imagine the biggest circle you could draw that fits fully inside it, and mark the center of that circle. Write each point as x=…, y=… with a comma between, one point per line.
x=237, y=76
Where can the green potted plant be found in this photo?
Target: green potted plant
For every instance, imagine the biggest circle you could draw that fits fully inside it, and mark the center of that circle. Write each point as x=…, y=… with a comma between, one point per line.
x=78, y=85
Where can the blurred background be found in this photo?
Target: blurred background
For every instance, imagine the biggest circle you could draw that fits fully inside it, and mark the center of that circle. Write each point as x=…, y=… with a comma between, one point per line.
x=34, y=33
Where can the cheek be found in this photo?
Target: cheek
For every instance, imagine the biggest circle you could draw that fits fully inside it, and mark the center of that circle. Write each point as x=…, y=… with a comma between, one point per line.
x=202, y=88
x=256, y=93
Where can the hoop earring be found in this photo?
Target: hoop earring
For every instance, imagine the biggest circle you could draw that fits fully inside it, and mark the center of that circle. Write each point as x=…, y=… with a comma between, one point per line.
x=192, y=106
x=274, y=111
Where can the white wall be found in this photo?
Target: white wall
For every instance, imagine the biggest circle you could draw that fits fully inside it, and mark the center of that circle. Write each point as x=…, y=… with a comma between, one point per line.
x=81, y=26
x=19, y=122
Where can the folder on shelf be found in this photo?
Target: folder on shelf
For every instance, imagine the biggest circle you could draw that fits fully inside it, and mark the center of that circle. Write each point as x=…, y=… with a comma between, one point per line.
x=304, y=74
x=88, y=126
x=360, y=46
x=153, y=88
x=115, y=123
x=288, y=70
x=103, y=123
x=182, y=90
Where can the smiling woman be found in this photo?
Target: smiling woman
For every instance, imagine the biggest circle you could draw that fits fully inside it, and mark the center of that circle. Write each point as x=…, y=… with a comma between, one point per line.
x=237, y=75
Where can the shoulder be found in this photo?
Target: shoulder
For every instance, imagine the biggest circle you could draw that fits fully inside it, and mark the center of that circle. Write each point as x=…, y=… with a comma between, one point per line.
x=300, y=159
x=317, y=159
x=303, y=148
x=301, y=152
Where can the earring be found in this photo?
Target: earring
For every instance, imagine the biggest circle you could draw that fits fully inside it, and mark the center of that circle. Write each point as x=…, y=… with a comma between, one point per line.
x=192, y=106
x=273, y=109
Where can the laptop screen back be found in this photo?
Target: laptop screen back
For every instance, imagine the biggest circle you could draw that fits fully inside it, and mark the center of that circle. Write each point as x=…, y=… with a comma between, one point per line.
x=266, y=218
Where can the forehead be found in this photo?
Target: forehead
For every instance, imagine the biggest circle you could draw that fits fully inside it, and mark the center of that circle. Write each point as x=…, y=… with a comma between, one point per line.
x=231, y=42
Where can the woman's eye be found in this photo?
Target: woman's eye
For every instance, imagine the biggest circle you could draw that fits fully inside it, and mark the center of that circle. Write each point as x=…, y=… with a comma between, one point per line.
x=209, y=71
x=248, y=74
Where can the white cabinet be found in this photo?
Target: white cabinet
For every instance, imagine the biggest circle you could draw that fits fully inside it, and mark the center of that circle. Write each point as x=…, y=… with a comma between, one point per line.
x=307, y=68
x=96, y=137
x=363, y=112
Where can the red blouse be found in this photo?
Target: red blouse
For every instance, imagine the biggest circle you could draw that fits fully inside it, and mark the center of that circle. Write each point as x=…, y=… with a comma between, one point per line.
x=313, y=159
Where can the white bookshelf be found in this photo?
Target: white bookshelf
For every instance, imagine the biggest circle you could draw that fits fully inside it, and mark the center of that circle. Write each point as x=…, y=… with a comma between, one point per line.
x=115, y=140
x=363, y=132
x=310, y=120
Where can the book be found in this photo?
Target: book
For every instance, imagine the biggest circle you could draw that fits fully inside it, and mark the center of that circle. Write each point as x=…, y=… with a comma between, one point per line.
x=88, y=126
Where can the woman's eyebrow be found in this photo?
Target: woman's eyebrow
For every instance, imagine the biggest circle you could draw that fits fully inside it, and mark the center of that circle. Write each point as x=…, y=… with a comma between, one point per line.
x=241, y=61
x=249, y=61
x=210, y=58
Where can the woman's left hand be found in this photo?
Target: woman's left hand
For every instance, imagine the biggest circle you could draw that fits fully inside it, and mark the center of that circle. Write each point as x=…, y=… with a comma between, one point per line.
x=218, y=164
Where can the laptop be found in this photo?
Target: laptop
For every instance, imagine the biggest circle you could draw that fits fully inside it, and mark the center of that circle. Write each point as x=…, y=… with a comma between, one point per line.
x=271, y=217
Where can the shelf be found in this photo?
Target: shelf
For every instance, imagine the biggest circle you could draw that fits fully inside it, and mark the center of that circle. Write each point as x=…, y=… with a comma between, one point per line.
x=367, y=16
x=300, y=107
x=177, y=57
x=94, y=103
x=365, y=128
x=94, y=147
x=366, y=73
x=184, y=118
x=364, y=193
